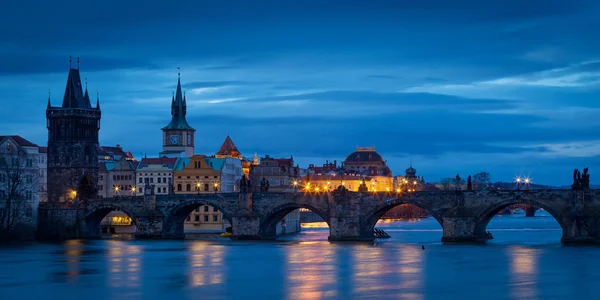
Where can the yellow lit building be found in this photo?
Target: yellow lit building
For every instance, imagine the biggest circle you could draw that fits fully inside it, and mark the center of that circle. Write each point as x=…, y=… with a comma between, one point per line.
x=323, y=182
x=203, y=174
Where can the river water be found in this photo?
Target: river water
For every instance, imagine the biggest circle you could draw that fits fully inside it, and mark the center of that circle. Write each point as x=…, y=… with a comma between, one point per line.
x=524, y=261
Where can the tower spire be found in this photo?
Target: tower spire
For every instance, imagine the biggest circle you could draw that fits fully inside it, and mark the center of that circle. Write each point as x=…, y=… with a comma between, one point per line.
x=77, y=63
x=49, y=94
x=70, y=60
x=97, y=100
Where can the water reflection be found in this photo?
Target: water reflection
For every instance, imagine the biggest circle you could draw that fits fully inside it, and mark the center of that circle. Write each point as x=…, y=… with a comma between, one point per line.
x=206, y=264
x=124, y=267
x=392, y=272
x=310, y=272
x=523, y=272
x=73, y=252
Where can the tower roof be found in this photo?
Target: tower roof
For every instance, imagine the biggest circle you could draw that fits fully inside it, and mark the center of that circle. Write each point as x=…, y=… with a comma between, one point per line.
x=178, y=111
x=228, y=148
x=74, y=97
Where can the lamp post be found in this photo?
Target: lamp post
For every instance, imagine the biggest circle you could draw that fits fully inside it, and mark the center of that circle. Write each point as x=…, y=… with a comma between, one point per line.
x=198, y=187
x=116, y=190
x=518, y=183
x=216, y=186
x=133, y=189
x=527, y=182
x=295, y=184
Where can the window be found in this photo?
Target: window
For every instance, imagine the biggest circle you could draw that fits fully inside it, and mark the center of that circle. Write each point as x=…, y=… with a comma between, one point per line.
x=114, y=177
x=164, y=179
x=164, y=190
x=141, y=190
x=215, y=209
x=158, y=180
x=197, y=218
x=140, y=180
x=179, y=187
x=151, y=179
x=188, y=187
x=215, y=218
x=205, y=218
x=206, y=187
x=206, y=208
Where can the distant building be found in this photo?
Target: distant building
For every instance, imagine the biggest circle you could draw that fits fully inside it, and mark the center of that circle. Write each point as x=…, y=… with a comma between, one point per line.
x=178, y=135
x=117, y=178
x=279, y=172
x=202, y=174
x=228, y=149
x=410, y=180
x=73, y=144
x=157, y=172
x=21, y=181
x=108, y=153
x=43, y=180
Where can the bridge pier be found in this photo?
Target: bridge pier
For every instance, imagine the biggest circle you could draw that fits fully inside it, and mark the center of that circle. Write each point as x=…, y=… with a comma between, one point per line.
x=529, y=210
x=151, y=226
x=462, y=229
x=246, y=227
x=348, y=229
x=580, y=230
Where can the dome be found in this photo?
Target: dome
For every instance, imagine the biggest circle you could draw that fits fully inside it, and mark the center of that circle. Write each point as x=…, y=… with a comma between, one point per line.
x=411, y=171
x=364, y=155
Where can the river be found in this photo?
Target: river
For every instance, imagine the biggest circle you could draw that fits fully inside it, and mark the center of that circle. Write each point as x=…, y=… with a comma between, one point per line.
x=524, y=261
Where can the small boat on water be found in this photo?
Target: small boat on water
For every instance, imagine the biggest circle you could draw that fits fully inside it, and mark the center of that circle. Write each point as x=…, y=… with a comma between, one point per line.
x=225, y=234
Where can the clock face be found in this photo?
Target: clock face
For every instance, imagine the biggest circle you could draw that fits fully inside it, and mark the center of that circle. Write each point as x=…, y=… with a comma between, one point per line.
x=174, y=140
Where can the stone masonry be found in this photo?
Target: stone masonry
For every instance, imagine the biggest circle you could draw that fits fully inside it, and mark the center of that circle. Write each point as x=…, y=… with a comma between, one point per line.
x=351, y=216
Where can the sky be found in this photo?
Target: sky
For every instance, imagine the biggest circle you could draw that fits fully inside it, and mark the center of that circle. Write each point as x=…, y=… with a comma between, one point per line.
x=508, y=87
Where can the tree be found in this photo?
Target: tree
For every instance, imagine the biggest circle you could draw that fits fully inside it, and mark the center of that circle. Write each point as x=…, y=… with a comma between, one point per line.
x=481, y=180
x=447, y=183
x=18, y=188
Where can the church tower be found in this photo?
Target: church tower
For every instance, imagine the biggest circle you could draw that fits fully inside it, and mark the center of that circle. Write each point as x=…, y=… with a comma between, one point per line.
x=73, y=143
x=178, y=135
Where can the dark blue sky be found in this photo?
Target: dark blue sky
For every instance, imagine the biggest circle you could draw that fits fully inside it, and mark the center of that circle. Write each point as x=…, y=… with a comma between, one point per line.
x=508, y=87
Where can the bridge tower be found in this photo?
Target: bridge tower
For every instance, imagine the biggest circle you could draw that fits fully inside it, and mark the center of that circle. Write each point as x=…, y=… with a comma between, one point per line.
x=73, y=143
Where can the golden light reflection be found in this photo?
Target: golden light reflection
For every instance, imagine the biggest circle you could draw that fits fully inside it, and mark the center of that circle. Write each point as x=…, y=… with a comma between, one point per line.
x=523, y=272
x=206, y=264
x=73, y=252
x=311, y=272
x=374, y=275
x=124, y=264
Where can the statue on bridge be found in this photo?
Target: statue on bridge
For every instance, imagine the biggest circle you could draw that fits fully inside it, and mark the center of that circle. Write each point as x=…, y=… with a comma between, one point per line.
x=245, y=185
x=362, y=188
x=458, y=181
x=469, y=184
x=581, y=181
x=264, y=185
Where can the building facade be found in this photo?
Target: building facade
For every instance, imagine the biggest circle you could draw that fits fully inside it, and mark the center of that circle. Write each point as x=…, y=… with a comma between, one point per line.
x=20, y=182
x=73, y=144
x=157, y=172
x=202, y=174
x=178, y=135
x=279, y=172
x=117, y=178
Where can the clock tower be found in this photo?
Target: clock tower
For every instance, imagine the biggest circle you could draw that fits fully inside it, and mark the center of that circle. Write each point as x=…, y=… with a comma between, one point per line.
x=178, y=135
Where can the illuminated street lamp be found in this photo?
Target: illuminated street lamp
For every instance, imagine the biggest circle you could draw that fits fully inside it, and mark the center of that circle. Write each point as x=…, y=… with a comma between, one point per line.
x=198, y=187
x=295, y=184
x=216, y=187
x=518, y=183
x=116, y=188
x=73, y=195
x=133, y=190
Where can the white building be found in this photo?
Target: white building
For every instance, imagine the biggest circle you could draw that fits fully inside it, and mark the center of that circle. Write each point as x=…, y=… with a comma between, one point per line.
x=157, y=172
x=20, y=180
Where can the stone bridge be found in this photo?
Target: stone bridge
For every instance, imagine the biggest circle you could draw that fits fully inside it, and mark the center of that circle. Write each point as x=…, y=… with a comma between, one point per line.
x=351, y=216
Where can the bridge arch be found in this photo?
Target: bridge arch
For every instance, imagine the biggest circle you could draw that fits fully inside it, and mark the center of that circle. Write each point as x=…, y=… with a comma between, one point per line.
x=97, y=212
x=371, y=217
x=492, y=210
x=173, y=225
x=268, y=226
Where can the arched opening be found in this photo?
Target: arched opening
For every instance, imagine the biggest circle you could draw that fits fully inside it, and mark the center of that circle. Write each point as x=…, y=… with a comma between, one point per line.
x=87, y=188
x=197, y=220
x=285, y=220
x=110, y=221
x=403, y=220
x=508, y=222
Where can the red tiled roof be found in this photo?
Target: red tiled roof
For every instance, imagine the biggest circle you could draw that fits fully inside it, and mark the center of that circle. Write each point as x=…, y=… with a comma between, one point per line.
x=19, y=140
x=111, y=150
x=228, y=148
x=102, y=167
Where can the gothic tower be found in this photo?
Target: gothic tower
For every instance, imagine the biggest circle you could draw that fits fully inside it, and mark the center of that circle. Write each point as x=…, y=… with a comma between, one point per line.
x=73, y=143
x=178, y=135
